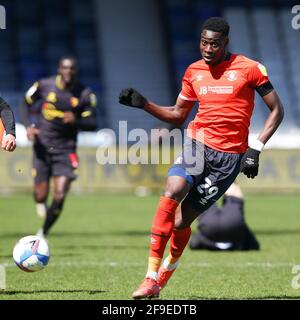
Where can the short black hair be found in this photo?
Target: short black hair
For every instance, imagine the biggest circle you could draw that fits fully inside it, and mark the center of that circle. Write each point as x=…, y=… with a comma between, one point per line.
x=216, y=24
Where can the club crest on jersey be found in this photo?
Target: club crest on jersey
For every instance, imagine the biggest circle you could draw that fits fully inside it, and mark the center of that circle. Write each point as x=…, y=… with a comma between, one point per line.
x=199, y=77
x=231, y=75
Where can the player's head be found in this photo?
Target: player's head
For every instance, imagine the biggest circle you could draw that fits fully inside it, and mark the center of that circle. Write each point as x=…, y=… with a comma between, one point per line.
x=214, y=39
x=67, y=68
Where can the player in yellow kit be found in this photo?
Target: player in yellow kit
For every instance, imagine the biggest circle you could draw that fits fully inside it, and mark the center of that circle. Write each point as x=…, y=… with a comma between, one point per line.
x=67, y=107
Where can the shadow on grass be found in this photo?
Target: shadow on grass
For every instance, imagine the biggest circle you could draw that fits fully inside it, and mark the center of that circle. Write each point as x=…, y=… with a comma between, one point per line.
x=13, y=235
x=85, y=234
x=131, y=233
x=13, y=292
x=99, y=246
x=8, y=256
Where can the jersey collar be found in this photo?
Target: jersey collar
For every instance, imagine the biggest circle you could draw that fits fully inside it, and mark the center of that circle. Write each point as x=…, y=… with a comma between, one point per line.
x=60, y=85
x=228, y=56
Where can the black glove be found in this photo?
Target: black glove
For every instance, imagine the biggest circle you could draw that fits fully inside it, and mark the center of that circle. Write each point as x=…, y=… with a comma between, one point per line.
x=249, y=163
x=131, y=97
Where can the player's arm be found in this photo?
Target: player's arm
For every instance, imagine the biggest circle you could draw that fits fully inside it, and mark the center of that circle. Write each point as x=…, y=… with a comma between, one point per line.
x=31, y=97
x=250, y=161
x=8, y=120
x=87, y=119
x=274, y=118
x=176, y=114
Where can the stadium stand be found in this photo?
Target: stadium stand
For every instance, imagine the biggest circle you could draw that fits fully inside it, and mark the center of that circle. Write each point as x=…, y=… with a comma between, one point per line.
x=139, y=60
x=166, y=44
x=258, y=30
x=45, y=30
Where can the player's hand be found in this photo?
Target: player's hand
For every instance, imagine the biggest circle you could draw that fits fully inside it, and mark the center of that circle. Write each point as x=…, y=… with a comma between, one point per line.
x=249, y=163
x=32, y=132
x=132, y=98
x=69, y=117
x=9, y=143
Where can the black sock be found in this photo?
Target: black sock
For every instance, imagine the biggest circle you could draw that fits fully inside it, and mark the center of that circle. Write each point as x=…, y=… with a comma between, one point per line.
x=52, y=214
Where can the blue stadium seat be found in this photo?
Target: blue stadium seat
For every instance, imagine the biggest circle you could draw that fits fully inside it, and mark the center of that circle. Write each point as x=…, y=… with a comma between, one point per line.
x=240, y=33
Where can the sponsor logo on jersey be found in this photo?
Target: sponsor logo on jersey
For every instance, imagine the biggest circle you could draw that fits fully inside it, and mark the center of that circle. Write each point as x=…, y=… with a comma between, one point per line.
x=50, y=112
x=153, y=240
x=178, y=160
x=215, y=89
x=74, y=102
x=51, y=97
x=262, y=69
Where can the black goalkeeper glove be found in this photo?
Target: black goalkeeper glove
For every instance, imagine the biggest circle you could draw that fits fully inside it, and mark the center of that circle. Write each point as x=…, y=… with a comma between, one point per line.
x=249, y=163
x=132, y=98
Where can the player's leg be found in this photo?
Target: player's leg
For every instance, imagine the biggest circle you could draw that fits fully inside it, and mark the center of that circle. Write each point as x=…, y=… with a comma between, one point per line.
x=41, y=191
x=63, y=166
x=221, y=228
x=163, y=223
x=179, y=239
x=61, y=188
x=223, y=169
x=179, y=182
x=164, y=219
x=41, y=171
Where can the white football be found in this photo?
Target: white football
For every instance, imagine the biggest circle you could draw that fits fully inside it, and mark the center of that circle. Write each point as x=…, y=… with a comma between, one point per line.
x=31, y=253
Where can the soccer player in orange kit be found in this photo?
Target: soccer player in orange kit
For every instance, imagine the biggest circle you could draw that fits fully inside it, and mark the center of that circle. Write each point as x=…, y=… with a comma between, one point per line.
x=7, y=127
x=224, y=84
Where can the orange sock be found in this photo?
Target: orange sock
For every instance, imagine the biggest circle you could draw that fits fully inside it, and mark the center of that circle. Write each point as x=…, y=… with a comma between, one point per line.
x=178, y=242
x=163, y=224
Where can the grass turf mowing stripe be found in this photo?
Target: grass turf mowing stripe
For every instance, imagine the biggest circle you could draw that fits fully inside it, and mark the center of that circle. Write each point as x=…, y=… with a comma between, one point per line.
x=188, y=265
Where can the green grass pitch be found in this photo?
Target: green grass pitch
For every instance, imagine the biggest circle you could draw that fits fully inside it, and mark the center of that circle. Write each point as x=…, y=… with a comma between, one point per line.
x=99, y=250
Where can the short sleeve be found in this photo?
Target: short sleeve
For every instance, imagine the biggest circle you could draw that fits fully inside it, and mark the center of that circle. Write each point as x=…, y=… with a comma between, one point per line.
x=87, y=120
x=33, y=93
x=89, y=99
x=187, y=91
x=257, y=75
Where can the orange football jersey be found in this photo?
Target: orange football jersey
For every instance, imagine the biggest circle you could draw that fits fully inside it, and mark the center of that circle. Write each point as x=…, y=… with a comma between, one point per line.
x=225, y=93
x=1, y=131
